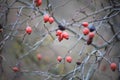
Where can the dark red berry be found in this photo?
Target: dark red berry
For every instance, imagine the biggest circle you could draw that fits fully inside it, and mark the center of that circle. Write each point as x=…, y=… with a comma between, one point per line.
x=61, y=27
x=89, y=41
x=1, y=28
x=78, y=62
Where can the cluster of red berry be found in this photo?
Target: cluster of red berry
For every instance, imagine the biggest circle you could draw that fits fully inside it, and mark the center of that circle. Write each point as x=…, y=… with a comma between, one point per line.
x=16, y=69
x=39, y=57
x=68, y=59
x=88, y=30
x=28, y=28
x=59, y=58
x=48, y=18
x=62, y=35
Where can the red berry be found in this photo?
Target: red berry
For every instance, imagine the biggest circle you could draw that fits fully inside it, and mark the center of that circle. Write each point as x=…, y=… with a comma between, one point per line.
x=15, y=69
x=1, y=30
x=89, y=41
x=86, y=31
x=46, y=18
x=91, y=34
x=60, y=38
x=28, y=30
x=78, y=63
x=39, y=56
x=58, y=33
x=85, y=24
x=65, y=35
x=69, y=59
x=51, y=20
x=113, y=66
x=59, y=58
x=38, y=2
